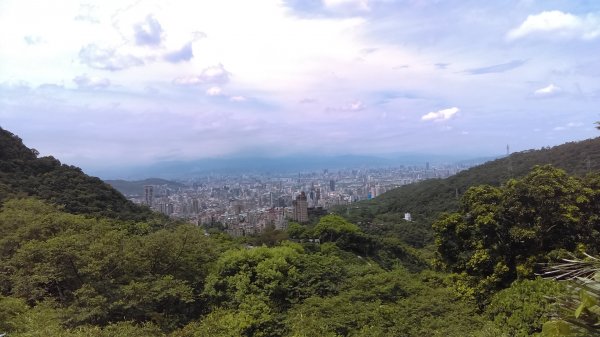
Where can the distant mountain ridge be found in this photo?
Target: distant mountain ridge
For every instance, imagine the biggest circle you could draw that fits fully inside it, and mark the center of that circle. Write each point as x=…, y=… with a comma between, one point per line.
x=426, y=199
x=258, y=164
x=23, y=173
x=131, y=188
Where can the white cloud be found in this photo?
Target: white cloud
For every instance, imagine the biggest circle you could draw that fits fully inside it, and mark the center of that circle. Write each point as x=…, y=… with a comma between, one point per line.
x=558, y=24
x=149, y=32
x=278, y=58
x=91, y=82
x=214, y=91
x=186, y=53
x=198, y=35
x=548, y=91
x=33, y=40
x=356, y=106
x=352, y=106
x=107, y=58
x=214, y=74
x=237, y=98
x=87, y=13
x=440, y=115
x=362, y=5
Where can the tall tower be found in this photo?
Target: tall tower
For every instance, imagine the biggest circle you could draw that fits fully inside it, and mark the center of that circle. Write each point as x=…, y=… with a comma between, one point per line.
x=318, y=194
x=149, y=195
x=301, y=208
x=510, y=168
x=332, y=185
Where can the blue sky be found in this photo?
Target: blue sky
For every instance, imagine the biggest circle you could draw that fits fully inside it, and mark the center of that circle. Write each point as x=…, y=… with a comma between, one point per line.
x=111, y=83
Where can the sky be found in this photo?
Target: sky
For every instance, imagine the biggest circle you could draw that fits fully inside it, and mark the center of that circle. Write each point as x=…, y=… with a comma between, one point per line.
x=110, y=83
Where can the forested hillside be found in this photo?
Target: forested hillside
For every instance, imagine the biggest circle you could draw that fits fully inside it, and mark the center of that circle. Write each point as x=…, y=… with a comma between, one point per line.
x=426, y=199
x=72, y=275
x=23, y=173
x=68, y=275
x=137, y=187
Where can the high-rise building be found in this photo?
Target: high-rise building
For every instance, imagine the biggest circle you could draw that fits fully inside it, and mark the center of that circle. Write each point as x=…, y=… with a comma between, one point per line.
x=195, y=206
x=300, y=208
x=332, y=185
x=149, y=195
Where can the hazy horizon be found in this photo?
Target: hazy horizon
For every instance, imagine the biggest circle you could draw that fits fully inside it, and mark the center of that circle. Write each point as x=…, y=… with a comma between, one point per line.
x=101, y=84
x=274, y=165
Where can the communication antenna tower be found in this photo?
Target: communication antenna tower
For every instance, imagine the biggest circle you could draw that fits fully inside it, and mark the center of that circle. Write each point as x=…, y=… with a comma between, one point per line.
x=510, y=168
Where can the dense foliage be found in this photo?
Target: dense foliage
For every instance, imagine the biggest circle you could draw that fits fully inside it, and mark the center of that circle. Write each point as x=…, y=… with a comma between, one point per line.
x=65, y=274
x=74, y=263
x=22, y=173
x=427, y=199
x=504, y=233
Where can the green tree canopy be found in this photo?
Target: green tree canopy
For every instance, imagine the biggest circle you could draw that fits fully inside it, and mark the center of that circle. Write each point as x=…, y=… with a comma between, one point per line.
x=500, y=234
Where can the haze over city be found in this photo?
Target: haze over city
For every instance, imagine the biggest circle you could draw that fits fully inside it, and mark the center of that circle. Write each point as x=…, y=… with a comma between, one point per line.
x=104, y=84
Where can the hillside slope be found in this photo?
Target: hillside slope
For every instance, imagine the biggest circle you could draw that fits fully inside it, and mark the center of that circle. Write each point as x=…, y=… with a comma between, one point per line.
x=22, y=173
x=426, y=199
x=137, y=187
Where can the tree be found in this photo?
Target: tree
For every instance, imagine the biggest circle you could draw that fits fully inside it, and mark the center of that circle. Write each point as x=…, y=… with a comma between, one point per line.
x=501, y=234
x=333, y=227
x=522, y=309
x=295, y=230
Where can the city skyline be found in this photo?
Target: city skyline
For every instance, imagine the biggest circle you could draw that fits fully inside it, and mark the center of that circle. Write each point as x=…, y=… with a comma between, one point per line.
x=113, y=83
x=247, y=204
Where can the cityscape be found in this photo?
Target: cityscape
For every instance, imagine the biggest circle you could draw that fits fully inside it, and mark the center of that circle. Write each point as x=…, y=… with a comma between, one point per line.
x=285, y=168
x=247, y=204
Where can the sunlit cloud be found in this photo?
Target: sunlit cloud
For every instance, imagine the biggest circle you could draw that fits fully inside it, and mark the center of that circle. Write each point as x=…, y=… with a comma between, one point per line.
x=558, y=24
x=547, y=91
x=441, y=115
x=213, y=74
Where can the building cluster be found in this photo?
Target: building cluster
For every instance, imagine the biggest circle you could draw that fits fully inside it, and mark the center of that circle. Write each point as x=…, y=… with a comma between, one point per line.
x=247, y=204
